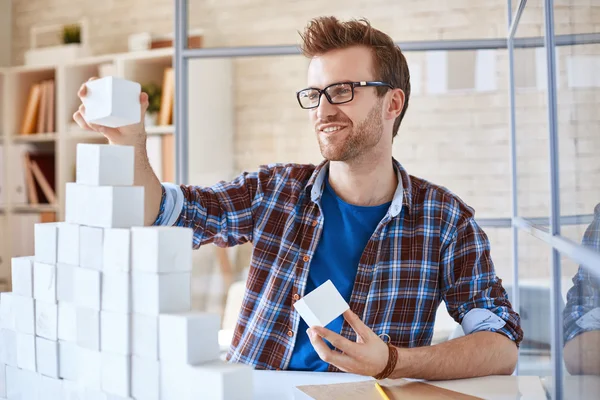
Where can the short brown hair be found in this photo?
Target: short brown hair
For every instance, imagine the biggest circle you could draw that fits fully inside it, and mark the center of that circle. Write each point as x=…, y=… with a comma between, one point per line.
x=324, y=34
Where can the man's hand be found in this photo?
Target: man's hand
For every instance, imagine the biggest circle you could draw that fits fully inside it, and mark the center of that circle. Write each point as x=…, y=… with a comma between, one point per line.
x=368, y=356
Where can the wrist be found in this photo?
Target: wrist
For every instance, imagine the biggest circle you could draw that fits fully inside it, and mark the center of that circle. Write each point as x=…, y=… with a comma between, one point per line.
x=392, y=362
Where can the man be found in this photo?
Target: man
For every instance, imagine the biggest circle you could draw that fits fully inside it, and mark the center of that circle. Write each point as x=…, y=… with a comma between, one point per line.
x=394, y=245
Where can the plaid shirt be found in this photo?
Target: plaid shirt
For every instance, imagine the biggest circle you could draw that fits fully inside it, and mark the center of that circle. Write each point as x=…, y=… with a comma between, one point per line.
x=426, y=249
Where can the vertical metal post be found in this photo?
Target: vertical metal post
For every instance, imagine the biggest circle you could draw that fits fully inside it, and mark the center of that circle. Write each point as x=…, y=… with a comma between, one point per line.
x=513, y=166
x=180, y=110
x=556, y=312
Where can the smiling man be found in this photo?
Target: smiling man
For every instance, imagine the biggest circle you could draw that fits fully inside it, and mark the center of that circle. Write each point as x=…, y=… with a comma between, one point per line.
x=393, y=244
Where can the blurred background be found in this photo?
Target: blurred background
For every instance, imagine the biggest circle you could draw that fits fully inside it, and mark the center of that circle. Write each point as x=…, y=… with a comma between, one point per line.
x=474, y=125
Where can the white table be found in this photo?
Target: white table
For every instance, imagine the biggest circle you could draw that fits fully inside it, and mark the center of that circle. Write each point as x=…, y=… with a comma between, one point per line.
x=281, y=385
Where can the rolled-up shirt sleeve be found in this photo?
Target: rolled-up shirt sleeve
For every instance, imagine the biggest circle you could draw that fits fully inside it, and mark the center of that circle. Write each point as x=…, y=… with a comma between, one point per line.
x=171, y=204
x=473, y=294
x=582, y=311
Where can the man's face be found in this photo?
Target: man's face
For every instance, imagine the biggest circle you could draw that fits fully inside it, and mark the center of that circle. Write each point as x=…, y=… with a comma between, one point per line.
x=346, y=131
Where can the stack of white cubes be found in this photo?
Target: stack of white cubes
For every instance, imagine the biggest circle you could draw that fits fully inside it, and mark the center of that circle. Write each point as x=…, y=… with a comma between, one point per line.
x=102, y=311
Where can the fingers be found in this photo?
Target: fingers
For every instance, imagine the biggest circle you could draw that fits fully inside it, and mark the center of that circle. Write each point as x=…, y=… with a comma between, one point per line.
x=144, y=102
x=78, y=117
x=338, y=341
x=359, y=327
x=83, y=88
x=342, y=361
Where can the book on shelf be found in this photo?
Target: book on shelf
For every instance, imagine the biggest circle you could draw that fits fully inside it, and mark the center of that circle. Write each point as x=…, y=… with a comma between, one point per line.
x=35, y=178
x=40, y=108
x=165, y=113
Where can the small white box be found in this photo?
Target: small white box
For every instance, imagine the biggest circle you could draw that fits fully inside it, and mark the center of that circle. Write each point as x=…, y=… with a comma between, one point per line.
x=116, y=374
x=188, y=338
x=46, y=242
x=68, y=360
x=88, y=328
x=105, y=165
x=7, y=311
x=65, y=284
x=112, y=102
x=44, y=282
x=51, y=389
x=89, y=373
x=26, y=352
x=145, y=379
x=219, y=380
x=175, y=381
x=117, y=250
x=8, y=347
x=24, y=308
x=116, y=292
x=47, y=357
x=68, y=243
x=144, y=336
x=90, y=247
x=154, y=294
x=30, y=384
x=322, y=305
x=113, y=206
x=46, y=320
x=67, y=322
x=115, y=333
x=22, y=276
x=87, y=288
x=161, y=249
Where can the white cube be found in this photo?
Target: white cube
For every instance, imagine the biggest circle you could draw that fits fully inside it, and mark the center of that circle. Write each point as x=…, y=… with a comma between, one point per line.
x=154, y=294
x=87, y=288
x=26, y=352
x=68, y=243
x=161, y=249
x=88, y=328
x=115, y=333
x=113, y=206
x=8, y=347
x=322, y=305
x=22, y=276
x=2, y=380
x=68, y=360
x=105, y=165
x=222, y=381
x=116, y=292
x=67, y=322
x=13, y=383
x=46, y=242
x=188, y=338
x=46, y=320
x=30, y=384
x=116, y=374
x=73, y=390
x=144, y=336
x=145, y=378
x=117, y=250
x=7, y=311
x=90, y=247
x=175, y=381
x=24, y=308
x=51, y=389
x=112, y=102
x=44, y=282
x=89, y=373
x=65, y=284
x=47, y=357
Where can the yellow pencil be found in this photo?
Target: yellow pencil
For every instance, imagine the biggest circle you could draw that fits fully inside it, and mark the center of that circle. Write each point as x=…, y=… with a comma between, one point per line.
x=381, y=392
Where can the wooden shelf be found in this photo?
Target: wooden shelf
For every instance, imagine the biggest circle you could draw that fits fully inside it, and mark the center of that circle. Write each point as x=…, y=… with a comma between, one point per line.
x=34, y=138
x=34, y=208
x=80, y=134
x=160, y=130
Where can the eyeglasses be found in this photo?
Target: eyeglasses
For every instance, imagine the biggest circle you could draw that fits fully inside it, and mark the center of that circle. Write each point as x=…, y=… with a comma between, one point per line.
x=336, y=93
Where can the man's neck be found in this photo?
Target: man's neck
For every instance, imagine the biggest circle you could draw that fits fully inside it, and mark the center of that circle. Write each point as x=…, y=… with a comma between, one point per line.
x=364, y=183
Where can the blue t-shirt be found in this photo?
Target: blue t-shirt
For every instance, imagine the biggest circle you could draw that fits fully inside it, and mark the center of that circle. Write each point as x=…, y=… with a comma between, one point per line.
x=346, y=231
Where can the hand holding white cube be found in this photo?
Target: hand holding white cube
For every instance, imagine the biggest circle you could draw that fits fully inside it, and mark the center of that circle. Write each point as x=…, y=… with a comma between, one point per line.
x=112, y=102
x=322, y=305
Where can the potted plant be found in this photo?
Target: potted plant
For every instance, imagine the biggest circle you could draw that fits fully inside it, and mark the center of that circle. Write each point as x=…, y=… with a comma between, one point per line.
x=71, y=34
x=154, y=93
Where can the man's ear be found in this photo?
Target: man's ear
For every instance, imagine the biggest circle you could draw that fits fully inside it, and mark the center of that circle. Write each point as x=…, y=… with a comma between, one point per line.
x=395, y=104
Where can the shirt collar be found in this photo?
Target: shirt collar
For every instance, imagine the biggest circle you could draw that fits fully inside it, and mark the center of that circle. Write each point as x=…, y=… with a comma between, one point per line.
x=402, y=195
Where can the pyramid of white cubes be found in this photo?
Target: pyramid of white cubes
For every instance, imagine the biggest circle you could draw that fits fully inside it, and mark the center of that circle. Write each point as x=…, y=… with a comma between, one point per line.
x=103, y=309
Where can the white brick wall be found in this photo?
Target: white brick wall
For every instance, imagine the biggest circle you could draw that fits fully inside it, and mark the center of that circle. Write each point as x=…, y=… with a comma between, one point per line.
x=458, y=139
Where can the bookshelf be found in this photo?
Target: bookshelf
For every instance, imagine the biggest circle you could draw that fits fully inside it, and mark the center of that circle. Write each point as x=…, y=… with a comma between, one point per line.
x=17, y=215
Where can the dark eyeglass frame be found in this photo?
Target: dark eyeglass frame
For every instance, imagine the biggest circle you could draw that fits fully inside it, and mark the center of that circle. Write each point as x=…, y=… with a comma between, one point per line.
x=353, y=85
